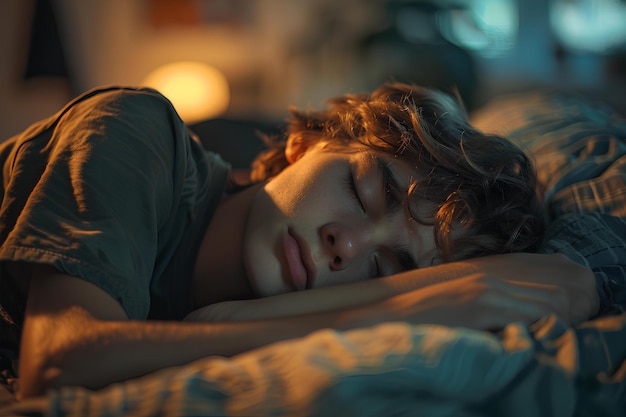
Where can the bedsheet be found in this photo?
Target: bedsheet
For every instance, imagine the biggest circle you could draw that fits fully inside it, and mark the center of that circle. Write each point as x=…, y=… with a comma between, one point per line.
x=397, y=369
x=393, y=369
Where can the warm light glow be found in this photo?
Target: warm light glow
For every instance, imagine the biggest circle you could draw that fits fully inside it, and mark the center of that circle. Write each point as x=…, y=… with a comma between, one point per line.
x=197, y=91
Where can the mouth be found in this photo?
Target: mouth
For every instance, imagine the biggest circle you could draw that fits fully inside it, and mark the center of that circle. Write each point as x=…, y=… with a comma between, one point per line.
x=299, y=261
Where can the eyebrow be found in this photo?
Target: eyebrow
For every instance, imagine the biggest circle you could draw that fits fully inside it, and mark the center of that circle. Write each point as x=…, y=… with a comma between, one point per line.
x=405, y=258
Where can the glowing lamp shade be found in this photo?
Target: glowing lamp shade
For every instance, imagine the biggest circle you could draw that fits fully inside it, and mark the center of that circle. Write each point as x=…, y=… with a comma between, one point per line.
x=197, y=91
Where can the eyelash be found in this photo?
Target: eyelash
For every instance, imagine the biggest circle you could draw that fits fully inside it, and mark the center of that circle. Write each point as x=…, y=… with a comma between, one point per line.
x=377, y=267
x=351, y=185
x=405, y=261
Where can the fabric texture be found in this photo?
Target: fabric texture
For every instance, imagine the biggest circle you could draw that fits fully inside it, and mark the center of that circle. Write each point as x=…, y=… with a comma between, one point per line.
x=393, y=369
x=579, y=148
x=115, y=175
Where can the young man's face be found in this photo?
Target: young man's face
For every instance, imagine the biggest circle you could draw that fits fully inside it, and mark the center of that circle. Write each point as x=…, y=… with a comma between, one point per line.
x=331, y=218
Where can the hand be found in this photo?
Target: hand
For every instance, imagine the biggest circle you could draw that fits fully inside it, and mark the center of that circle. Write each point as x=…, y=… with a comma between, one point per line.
x=503, y=289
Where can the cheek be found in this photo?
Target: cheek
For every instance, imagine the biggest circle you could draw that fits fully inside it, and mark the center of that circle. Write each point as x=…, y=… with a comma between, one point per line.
x=305, y=190
x=262, y=244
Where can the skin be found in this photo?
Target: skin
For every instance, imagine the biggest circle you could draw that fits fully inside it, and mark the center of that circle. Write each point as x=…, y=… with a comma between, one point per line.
x=343, y=235
x=346, y=236
x=63, y=334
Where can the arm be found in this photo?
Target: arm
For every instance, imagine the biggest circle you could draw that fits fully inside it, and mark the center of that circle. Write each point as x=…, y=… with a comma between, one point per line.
x=526, y=285
x=82, y=336
x=333, y=297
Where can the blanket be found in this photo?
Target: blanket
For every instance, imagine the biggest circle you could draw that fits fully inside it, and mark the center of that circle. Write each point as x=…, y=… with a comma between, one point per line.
x=398, y=369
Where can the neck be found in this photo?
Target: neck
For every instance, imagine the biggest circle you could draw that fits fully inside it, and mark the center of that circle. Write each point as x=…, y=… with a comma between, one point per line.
x=219, y=274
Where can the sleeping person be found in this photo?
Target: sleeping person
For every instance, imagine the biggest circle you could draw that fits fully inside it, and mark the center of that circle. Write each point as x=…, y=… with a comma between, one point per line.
x=116, y=225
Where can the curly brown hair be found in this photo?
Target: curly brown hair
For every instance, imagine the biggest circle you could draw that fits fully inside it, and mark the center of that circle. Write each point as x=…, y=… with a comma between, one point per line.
x=483, y=186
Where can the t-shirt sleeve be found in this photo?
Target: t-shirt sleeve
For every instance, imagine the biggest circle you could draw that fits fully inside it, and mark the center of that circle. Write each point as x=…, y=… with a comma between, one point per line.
x=93, y=190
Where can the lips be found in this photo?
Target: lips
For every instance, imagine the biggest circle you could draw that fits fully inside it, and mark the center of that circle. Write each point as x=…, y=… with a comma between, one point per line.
x=299, y=261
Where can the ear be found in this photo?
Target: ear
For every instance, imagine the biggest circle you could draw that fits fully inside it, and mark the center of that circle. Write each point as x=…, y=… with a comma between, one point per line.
x=296, y=147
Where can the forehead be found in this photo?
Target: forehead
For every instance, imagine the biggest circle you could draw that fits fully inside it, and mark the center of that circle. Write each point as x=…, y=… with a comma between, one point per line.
x=401, y=171
x=402, y=175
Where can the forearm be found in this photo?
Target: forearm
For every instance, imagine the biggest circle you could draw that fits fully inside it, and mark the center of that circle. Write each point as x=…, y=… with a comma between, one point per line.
x=481, y=293
x=64, y=346
x=92, y=344
x=344, y=296
x=95, y=353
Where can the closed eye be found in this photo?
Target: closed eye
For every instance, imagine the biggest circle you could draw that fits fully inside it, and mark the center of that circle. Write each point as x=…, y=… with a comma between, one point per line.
x=377, y=273
x=400, y=260
x=351, y=186
x=394, y=201
x=406, y=261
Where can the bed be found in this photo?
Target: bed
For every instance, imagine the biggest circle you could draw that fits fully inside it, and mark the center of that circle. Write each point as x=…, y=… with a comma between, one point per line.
x=398, y=369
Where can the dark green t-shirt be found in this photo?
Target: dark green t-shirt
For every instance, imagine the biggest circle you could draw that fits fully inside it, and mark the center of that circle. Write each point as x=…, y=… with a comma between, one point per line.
x=113, y=189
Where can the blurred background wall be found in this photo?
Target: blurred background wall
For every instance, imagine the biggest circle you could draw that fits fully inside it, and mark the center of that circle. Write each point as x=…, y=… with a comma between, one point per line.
x=276, y=53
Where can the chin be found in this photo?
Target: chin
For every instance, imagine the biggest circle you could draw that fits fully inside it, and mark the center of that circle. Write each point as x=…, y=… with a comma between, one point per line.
x=263, y=272
x=267, y=284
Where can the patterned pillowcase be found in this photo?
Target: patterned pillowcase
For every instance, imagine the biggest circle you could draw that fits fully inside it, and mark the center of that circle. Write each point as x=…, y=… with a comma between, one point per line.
x=579, y=147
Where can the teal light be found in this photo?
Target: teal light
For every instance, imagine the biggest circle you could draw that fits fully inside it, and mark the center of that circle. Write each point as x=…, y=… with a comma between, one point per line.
x=489, y=27
x=597, y=26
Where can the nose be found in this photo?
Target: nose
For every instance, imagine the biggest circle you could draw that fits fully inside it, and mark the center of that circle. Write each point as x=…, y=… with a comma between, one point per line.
x=344, y=243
